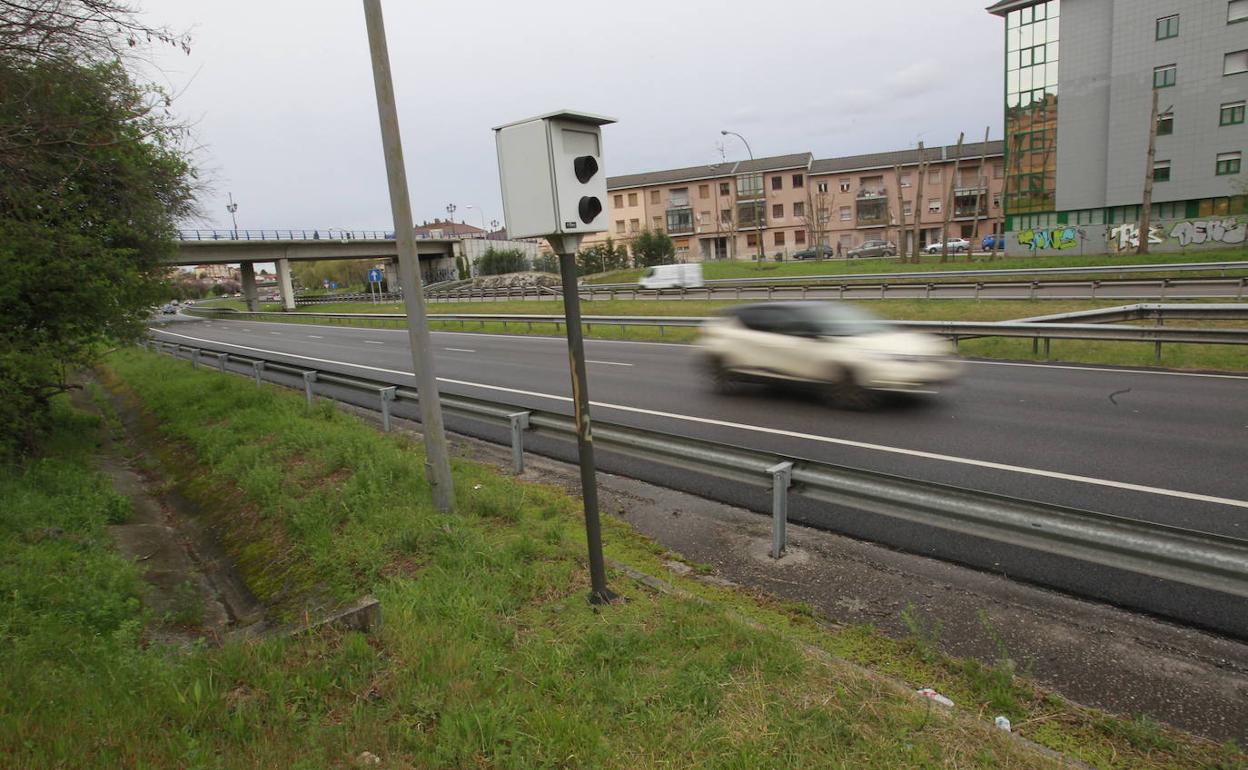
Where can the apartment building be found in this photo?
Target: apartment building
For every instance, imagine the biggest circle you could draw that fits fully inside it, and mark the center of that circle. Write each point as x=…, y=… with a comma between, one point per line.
x=1080, y=80
x=779, y=205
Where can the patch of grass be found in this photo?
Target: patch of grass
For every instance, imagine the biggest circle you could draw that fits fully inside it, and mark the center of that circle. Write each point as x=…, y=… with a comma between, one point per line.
x=490, y=654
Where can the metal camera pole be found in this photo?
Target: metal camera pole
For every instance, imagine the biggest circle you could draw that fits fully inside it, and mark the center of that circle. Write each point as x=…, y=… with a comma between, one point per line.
x=565, y=246
x=437, y=463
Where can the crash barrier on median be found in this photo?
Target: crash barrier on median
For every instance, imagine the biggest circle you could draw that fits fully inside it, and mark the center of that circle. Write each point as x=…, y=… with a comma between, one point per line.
x=1040, y=332
x=1213, y=562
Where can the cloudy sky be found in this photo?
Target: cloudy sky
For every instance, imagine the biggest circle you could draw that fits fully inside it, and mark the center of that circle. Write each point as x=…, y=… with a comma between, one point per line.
x=281, y=91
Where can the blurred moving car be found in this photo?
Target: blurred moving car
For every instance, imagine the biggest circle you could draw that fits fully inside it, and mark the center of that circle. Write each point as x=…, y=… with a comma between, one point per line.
x=955, y=245
x=873, y=248
x=168, y=309
x=687, y=275
x=849, y=355
x=991, y=241
x=821, y=251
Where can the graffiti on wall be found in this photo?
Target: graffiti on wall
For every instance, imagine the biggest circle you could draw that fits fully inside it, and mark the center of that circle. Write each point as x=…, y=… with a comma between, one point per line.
x=1201, y=231
x=1057, y=238
x=1127, y=236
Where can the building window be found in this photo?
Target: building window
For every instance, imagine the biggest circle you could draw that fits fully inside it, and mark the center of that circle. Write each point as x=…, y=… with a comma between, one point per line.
x=725, y=216
x=1168, y=27
x=998, y=170
x=1229, y=162
x=824, y=216
x=654, y=197
x=1232, y=114
x=750, y=186
x=634, y=225
x=1236, y=10
x=751, y=240
x=779, y=238
x=933, y=205
x=751, y=214
x=1165, y=124
x=996, y=200
x=933, y=176
x=1165, y=76
x=632, y=199
x=777, y=183
x=799, y=237
x=846, y=213
x=799, y=181
x=777, y=211
x=907, y=208
x=1161, y=171
x=821, y=187
x=844, y=185
x=619, y=201
x=905, y=179
x=704, y=191
x=1235, y=62
x=619, y=226
x=799, y=209
x=704, y=217
x=656, y=223
x=724, y=189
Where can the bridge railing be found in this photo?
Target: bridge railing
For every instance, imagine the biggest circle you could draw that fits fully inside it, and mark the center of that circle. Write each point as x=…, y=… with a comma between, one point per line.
x=306, y=234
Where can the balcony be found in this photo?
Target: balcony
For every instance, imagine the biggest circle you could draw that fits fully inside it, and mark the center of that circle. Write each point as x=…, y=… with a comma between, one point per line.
x=872, y=193
x=678, y=203
x=872, y=212
x=964, y=202
x=679, y=221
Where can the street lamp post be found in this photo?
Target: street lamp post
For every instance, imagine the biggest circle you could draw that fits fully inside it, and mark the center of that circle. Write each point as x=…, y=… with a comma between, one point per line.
x=759, y=209
x=481, y=214
x=232, y=207
x=450, y=216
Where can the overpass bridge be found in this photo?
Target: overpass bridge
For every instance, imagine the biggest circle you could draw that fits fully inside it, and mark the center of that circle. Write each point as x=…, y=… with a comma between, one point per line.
x=247, y=247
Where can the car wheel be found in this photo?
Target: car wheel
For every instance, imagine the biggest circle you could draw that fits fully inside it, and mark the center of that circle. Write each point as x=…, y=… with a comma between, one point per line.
x=723, y=381
x=845, y=392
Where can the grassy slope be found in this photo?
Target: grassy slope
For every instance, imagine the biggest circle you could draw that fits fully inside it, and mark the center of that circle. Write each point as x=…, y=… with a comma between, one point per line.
x=1210, y=357
x=489, y=656
x=750, y=269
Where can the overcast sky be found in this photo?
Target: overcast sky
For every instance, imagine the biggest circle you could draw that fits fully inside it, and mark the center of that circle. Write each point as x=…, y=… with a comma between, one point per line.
x=281, y=91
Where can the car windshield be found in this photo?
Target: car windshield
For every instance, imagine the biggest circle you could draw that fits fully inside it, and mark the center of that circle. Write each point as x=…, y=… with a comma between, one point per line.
x=842, y=320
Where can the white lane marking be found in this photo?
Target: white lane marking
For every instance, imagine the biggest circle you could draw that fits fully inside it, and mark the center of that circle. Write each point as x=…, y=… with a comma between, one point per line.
x=277, y=333
x=374, y=342
x=315, y=337
x=460, y=350
x=779, y=432
x=1110, y=369
x=605, y=363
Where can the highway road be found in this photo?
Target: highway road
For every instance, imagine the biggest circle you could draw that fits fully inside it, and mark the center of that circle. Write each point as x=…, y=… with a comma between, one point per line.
x=1169, y=447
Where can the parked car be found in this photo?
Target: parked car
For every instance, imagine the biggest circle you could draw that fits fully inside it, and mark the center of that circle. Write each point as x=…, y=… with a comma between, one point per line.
x=955, y=245
x=849, y=355
x=873, y=248
x=821, y=251
x=688, y=275
x=991, y=241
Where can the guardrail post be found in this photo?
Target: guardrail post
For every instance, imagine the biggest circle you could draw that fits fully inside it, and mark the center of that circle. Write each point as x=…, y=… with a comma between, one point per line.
x=1095, y=285
x=883, y=289
x=739, y=292
x=258, y=368
x=955, y=342
x=1034, y=286
x=769, y=291
x=1164, y=282
x=386, y=395
x=1157, y=345
x=781, y=477
x=979, y=286
x=308, y=379
x=1240, y=293
x=840, y=291
x=1046, y=348
x=519, y=424
x=194, y=358
x=927, y=291
x=803, y=291
x=222, y=358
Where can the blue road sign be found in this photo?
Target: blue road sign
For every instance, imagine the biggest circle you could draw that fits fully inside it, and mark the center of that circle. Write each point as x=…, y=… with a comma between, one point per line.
x=374, y=276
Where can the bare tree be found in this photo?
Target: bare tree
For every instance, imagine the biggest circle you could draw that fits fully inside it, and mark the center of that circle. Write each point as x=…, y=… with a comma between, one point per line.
x=91, y=30
x=918, y=204
x=901, y=213
x=816, y=225
x=981, y=189
x=953, y=186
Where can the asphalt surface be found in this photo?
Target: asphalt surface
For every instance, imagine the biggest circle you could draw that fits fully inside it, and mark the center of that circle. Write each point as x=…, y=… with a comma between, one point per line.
x=1165, y=447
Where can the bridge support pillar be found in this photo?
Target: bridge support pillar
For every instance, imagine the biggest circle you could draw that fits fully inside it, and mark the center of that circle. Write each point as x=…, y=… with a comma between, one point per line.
x=247, y=272
x=284, y=285
x=390, y=271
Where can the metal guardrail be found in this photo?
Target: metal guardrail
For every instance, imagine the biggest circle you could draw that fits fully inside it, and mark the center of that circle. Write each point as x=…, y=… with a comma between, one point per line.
x=287, y=234
x=952, y=330
x=1214, y=562
x=1203, y=311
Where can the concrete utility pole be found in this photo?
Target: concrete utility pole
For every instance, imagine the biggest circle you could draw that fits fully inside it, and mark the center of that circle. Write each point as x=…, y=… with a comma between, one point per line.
x=1146, y=205
x=437, y=462
x=761, y=208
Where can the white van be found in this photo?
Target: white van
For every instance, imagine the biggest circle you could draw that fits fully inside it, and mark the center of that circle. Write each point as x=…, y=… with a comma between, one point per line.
x=685, y=276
